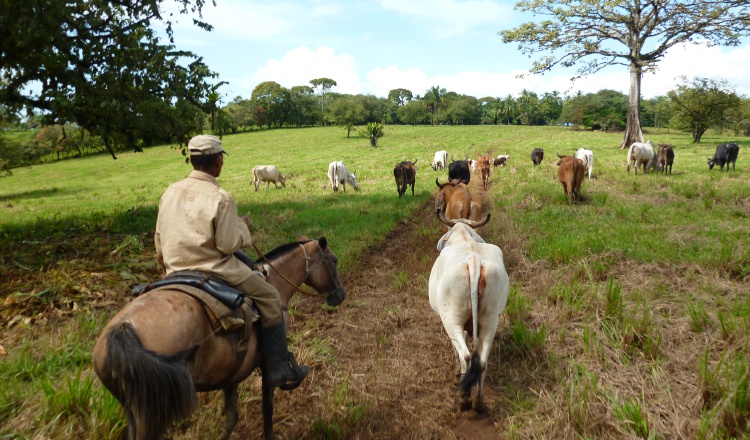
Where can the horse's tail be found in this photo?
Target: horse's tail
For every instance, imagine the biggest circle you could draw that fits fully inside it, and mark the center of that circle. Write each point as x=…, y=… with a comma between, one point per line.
x=155, y=390
x=477, y=283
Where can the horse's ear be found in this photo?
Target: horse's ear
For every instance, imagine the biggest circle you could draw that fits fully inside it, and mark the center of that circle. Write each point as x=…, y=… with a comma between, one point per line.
x=323, y=243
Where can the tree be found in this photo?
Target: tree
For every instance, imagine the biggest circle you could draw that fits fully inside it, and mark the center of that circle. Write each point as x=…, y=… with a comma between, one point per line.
x=550, y=107
x=509, y=109
x=702, y=104
x=433, y=98
x=528, y=107
x=373, y=131
x=490, y=109
x=636, y=33
x=348, y=111
x=274, y=99
x=98, y=64
x=464, y=109
x=413, y=113
x=323, y=86
x=400, y=96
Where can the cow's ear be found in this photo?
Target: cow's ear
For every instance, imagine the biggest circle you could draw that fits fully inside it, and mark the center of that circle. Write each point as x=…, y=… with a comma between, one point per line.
x=476, y=236
x=323, y=243
x=443, y=239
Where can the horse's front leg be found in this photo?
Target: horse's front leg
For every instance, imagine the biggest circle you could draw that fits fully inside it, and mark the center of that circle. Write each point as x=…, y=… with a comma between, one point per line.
x=231, y=411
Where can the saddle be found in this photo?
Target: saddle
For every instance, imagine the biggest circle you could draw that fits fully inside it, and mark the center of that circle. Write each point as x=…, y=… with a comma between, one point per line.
x=226, y=307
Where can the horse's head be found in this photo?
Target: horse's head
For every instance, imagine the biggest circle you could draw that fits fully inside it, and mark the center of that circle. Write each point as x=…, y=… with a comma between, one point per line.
x=324, y=277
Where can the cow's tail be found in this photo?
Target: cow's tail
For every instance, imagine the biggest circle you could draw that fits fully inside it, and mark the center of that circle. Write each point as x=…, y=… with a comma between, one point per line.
x=475, y=281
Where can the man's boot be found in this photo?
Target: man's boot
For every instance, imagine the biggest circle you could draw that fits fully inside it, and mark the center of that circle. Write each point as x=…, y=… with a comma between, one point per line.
x=278, y=362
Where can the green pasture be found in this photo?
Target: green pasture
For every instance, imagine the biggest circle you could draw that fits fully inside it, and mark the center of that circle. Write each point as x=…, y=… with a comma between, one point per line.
x=690, y=223
x=692, y=215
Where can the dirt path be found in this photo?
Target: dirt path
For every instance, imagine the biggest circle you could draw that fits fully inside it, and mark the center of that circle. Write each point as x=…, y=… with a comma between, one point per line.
x=394, y=370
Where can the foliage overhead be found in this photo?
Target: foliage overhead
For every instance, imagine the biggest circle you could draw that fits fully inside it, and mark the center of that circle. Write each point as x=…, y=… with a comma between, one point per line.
x=102, y=66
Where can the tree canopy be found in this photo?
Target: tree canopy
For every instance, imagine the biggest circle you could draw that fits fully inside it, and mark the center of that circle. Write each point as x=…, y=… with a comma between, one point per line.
x=594, y=34
x=102, y=66
x=702, y=103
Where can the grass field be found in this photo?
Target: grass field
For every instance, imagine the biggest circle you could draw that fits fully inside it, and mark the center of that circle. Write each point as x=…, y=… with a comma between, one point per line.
x=637, y=296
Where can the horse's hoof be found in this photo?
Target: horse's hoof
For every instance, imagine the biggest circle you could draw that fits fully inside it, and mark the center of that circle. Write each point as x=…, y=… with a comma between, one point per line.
x=480, y=407
x=464, y=404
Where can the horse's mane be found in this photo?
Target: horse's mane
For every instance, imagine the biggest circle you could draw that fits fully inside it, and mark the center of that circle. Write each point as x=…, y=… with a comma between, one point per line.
x=283, y=249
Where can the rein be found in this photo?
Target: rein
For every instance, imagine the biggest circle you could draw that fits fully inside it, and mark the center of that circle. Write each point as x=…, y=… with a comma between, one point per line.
x=296, y=288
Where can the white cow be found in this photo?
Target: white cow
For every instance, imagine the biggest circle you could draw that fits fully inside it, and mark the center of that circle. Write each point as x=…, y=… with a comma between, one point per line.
x=338, y=174
x=469, y=284
x=641, y=154
x=472, y=164
x=268, y=174
x=440, y=161
x=587, y=156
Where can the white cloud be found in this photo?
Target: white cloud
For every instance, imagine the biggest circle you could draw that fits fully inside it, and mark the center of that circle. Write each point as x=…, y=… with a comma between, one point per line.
x=238, y=20
x=451, y=17
x=300, y=65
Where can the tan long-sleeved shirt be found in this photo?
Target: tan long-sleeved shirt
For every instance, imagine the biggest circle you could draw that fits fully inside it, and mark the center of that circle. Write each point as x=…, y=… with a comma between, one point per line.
x=198, y=229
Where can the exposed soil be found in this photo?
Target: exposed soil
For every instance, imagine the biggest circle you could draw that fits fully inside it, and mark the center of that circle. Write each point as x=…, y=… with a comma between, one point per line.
x=392, y=356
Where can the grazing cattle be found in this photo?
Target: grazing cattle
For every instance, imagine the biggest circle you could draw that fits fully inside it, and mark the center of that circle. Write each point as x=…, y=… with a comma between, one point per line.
x=587, y=156
x=666, y=158
x=440, y=161
x=537, y=155
x=468, y=289
x=483, y=165
x=725, y=153
x=339, y=175
x=405, y=174
x=455, y=201
x=501, y=160
x=570, y=173
x=268, y=174
x=642, y=154
x=459, y=169
x=472, y=164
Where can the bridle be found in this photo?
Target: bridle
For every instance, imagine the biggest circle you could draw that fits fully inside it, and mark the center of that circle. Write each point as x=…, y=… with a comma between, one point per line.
x=326, y=261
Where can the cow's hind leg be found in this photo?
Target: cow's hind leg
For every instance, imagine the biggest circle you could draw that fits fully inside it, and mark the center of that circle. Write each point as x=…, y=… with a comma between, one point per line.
x=231, y=412
x=456, y=335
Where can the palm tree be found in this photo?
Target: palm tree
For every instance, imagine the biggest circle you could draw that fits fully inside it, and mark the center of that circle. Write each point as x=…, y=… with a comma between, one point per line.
x=509, y=108
x=434, y=98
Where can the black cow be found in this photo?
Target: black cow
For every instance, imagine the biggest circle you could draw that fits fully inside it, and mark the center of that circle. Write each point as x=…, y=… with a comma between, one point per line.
x=405, y=174
x=537, y=155
x=725, y=153
x=459, y=169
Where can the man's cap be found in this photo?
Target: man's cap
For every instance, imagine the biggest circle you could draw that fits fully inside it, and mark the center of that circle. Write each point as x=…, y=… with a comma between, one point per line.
x=205, y=144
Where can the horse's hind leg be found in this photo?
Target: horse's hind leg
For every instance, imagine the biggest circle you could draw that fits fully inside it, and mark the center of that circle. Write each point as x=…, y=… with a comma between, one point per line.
x=231, y=411
x=131, y=425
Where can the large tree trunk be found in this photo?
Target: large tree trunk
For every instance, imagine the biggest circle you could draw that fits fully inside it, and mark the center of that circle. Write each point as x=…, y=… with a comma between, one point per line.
x=633, y=132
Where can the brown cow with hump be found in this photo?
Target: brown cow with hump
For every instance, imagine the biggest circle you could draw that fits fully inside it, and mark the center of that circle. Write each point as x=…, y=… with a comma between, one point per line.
x=570, y=172
x=455, y=200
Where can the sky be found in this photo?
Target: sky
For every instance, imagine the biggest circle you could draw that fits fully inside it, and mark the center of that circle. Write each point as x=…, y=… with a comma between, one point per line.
x=372, y=47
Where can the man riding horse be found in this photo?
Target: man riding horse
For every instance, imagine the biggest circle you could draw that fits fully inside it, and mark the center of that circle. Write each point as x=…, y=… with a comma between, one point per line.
x=198, y=230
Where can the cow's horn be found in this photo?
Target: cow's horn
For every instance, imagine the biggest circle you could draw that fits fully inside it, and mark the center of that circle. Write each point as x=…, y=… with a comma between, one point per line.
x=441, y=217
x=558, y=155
x=438, y=183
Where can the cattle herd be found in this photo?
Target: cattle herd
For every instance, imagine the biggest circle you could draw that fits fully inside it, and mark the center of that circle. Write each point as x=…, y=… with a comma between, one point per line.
x=468, y=285
x=571, y=171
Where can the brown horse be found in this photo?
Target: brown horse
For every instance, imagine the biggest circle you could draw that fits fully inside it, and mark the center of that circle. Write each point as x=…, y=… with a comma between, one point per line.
x=160, y=348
